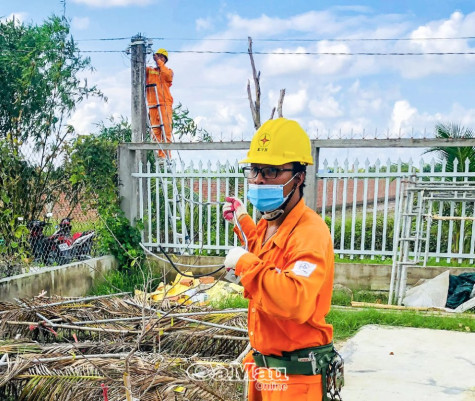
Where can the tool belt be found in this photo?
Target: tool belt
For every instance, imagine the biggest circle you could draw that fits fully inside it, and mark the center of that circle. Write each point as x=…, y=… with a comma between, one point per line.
x=323, y=360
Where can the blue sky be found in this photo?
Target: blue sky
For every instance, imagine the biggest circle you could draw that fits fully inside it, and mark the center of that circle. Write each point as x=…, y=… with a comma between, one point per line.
x=325, y=93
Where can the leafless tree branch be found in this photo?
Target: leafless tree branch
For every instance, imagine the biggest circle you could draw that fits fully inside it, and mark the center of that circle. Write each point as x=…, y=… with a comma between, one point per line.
x=255, y=105
x=281, y=101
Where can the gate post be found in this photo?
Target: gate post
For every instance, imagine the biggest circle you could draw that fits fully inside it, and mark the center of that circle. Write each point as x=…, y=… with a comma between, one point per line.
x=311, y=190
x=128, y=188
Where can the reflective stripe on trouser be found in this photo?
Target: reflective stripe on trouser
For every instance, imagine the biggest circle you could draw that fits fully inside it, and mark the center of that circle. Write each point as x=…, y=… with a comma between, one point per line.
x=167, y=113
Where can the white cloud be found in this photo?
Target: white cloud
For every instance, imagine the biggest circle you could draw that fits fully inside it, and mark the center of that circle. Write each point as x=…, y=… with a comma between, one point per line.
x=408, y=121
x=19, y=16
x=294, y=102
x=457, y=25
x=329, y=95
x=325, y=107
x=113, y=3
x=265, y=26
x=356, y=9
x=80, y=23
x=116, y=88
x=402, y=115
x=203, y=24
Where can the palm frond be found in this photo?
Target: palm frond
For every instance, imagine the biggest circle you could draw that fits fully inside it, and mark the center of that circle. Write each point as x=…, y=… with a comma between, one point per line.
x=454, y=157
x=81, y=352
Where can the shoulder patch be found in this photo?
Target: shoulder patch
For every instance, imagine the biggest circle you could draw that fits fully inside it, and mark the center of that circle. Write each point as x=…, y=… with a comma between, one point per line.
x=302, y=268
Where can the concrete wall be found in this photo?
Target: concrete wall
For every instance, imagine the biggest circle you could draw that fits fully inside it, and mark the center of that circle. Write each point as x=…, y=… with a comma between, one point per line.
x=356, y=276
x=76, y=279
x=73, y=279
x=378, y=277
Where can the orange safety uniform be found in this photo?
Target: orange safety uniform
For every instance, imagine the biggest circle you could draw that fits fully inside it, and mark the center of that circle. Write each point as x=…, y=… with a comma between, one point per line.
x=162, y=77
x=288, y=281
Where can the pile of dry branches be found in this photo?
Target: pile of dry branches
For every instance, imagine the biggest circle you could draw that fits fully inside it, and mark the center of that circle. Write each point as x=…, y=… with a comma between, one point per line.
x=117, y=348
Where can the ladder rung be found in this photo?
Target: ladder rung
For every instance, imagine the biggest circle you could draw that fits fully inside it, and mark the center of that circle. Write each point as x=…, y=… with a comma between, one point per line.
x=150, y=85
x=154, y=106
x=157, y=126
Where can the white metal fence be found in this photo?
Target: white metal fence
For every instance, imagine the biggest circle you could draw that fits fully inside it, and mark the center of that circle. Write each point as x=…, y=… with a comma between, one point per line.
x=181, y=207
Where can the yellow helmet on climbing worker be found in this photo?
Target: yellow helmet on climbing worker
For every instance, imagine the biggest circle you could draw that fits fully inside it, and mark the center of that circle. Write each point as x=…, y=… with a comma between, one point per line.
x=163, y=52
x=278, y=142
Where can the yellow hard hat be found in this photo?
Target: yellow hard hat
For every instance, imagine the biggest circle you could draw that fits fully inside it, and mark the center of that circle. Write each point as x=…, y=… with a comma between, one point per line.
x=162, y=52
x=279, y=141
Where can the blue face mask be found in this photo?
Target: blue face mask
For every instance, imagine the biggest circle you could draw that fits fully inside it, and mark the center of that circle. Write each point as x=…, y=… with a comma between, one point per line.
x=267, y=198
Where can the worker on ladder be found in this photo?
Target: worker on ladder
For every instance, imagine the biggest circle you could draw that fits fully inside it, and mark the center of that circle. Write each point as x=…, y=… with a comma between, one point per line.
x=159, y=99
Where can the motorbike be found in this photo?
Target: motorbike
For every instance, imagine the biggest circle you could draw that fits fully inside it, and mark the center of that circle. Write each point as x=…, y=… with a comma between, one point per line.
x=39, y=243
x=61, y=247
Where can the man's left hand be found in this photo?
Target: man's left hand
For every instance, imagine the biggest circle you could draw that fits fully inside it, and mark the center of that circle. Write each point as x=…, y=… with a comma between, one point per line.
x=233, y=257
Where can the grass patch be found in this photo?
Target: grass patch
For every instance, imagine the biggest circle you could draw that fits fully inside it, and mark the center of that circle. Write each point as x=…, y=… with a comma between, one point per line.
x=347, y=323
x=124, y=281
x=344, y=297
x=378, y=260
x=230, y=302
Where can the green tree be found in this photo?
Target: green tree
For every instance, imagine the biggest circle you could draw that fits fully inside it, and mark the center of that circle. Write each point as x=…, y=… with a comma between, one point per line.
x=91, y=164
x=39, y=89
x=450, y=154
x=92, y=167
x=184, y=125
x=456, y=157
x=12, y=229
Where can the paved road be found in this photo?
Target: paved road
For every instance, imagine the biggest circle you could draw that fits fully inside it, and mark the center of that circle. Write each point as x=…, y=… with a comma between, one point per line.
x=407, y=364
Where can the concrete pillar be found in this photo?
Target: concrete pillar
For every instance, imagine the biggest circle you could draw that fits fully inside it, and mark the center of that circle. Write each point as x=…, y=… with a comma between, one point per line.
x=139, y=110
x=128, y=189
x=311, y=187
x=129, y=159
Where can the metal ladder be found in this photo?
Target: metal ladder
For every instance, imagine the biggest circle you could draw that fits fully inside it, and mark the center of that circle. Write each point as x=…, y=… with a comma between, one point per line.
x=428, y=195
x=174, y=212
x=409, y=229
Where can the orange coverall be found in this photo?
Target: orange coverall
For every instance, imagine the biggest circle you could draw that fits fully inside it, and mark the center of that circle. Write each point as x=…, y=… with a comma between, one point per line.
x=288, y=282
x=162, y=77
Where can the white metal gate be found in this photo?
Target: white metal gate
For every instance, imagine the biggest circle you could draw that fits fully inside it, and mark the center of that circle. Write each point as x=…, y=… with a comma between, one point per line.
x=359, y=205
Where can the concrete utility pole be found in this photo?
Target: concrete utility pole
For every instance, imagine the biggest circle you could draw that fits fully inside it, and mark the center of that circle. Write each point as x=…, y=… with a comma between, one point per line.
x=139, y=110
x=129, y=159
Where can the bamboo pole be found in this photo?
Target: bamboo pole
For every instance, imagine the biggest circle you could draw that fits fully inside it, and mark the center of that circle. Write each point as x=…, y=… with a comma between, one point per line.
x=42, y=317
x=72, y=357
x=134, y=318
x=441, y=312
x=72, y=301
x=436, y=217
x=384, y=306
x=219, y=326
x=72, y=327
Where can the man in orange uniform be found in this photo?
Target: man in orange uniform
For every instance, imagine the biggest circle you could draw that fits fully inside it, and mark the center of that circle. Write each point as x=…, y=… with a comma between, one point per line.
x=162, y=77
x=287, y=273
